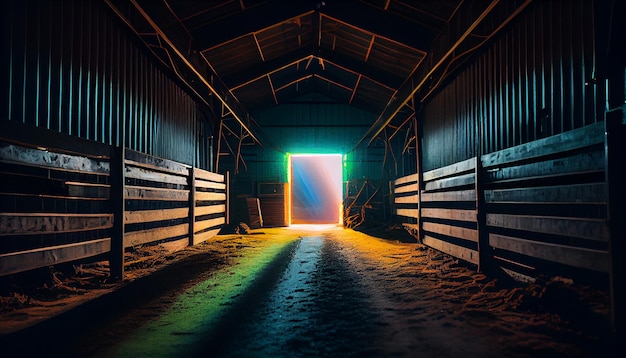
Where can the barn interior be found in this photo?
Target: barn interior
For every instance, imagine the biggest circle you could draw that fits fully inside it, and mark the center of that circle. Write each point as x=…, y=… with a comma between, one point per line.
x=492, y=132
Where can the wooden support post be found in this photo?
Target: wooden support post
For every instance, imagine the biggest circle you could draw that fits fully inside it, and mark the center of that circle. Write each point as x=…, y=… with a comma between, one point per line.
x=116, y=260
x=420, y=179
x=392, y=197
x=611, y=68
x=227, y=182
x=192, y=204
x=615, y=152
x=485, y=254
x=219, y=145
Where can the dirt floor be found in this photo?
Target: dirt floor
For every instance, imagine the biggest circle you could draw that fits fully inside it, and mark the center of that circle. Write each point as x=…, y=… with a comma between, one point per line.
x=335, y=292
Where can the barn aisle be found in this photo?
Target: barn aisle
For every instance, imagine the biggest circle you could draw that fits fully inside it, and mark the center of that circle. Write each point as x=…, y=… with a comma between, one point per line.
x=289, y=293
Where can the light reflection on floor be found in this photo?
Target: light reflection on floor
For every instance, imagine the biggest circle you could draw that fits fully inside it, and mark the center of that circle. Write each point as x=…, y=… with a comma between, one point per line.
x=196, y=311
x=286, y=314
x=315, y=227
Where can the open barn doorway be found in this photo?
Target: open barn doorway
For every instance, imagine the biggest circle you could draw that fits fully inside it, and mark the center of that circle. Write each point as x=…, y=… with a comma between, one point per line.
x=316, y=188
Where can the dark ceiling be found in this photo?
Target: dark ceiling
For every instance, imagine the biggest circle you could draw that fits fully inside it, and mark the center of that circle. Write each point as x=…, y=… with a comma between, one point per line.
x=253, y=55
x=274, y=52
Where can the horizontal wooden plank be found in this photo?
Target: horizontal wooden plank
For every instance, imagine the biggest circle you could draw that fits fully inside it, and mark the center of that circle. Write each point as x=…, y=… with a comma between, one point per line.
x=451, y=182
x=567, y=141
x=406, y=188
x=145, y=216
x=152, y=162
x=211, y=209
x=32, y=136
x=164, y=246
x=459, y=195
x=27, y=260
x=413, y=178
x=87, y=190
x=460, y=252
x=58, y=193
x=207, y=175
x=205, y=224
x=41, y=203
x=593, y=229
x=155, y=234
x=411, y=199
x=450, y=170
x=49, y=223
x=204, y=236
x=573, y=256
x=411, y=228
x=179, y=170
x=175, y=245
x=590, y=162
x=44, y=158
x=411, y=213
x=49, y=181
x=209, y=185
x=145, y=174
x=566, y=194
x=450, y=214
x=143, y=193
x=454, y=231
x=210, y=196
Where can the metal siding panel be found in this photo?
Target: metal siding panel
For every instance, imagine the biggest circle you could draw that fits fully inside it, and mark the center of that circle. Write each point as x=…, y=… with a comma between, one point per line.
x=71, y=68
x=29, y=80
x=537, y=68
x=324, y=128
x=336, y=127
x=56, y=68
x=45, y=73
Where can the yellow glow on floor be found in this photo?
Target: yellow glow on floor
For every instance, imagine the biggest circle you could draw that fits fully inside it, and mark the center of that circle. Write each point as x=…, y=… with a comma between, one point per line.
x=315, y=227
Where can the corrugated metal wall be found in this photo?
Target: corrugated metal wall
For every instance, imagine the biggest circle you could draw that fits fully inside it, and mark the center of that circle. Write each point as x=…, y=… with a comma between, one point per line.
x=533, y=81
x=317, y=127
x=312, y=128
x=70, y=66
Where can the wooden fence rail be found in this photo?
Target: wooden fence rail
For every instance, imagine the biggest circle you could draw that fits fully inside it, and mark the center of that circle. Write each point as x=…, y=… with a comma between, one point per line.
x=449, y=210
x=64, y=199
x=209, y=203
x=406, y=198
x=544, y=205
x=546, y=202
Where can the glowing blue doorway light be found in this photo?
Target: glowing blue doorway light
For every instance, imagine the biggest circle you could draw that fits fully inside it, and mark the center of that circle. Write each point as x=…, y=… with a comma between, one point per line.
x=316, y=188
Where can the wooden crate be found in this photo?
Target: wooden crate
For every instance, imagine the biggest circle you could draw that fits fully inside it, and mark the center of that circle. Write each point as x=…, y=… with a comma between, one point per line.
x=274, y=201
